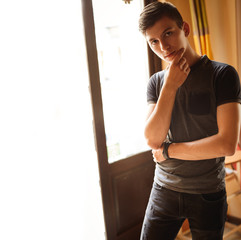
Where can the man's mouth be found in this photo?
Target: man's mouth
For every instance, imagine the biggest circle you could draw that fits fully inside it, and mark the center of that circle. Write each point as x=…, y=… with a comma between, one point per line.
x=170, y=55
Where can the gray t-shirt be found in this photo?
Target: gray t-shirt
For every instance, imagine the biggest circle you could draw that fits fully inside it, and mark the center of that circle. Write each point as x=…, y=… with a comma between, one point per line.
x=209, y=84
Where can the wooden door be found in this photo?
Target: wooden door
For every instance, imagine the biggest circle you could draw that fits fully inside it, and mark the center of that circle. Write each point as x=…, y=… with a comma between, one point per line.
x=125, y=181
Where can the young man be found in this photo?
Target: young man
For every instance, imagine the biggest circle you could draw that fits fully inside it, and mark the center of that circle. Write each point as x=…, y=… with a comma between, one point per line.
x=192, y=124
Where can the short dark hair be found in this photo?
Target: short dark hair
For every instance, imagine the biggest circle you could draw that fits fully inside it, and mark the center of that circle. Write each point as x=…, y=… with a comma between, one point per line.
x=155, y=11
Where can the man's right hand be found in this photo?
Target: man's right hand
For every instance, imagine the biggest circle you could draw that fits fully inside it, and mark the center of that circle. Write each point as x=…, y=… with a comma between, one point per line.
x=177, y=71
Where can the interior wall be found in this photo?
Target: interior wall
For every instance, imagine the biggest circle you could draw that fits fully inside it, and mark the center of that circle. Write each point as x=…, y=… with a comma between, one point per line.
x=238, y=27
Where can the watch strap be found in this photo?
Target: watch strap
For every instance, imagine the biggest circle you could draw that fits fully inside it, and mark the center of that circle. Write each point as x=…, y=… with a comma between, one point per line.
x=165, y=150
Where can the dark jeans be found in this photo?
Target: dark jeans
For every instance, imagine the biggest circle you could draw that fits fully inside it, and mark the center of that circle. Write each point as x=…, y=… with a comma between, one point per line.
x=167, y=210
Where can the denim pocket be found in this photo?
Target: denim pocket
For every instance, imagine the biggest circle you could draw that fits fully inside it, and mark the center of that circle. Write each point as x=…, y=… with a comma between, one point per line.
x=213, y=197
x=211, y=210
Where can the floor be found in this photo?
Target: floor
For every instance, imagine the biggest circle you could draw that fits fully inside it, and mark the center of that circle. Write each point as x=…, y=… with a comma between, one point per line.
x=234, y=236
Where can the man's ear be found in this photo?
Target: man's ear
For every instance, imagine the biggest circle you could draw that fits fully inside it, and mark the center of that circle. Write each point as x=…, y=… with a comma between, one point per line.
x=186, y=29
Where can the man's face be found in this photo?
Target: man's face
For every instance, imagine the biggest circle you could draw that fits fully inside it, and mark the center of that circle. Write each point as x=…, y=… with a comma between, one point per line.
x=165, y=38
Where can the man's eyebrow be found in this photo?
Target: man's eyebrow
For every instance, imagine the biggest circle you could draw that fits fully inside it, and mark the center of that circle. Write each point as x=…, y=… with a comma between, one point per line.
x=166, y=30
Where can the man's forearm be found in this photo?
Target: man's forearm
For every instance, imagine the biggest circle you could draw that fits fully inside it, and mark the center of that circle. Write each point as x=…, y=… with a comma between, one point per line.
x=206, y=148
x=158, y=123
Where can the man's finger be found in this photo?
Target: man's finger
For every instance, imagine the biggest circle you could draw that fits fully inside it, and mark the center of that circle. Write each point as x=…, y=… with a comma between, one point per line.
x=178, y=56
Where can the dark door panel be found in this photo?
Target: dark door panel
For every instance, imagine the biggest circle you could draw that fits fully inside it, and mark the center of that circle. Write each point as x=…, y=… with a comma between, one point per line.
x=131, y=191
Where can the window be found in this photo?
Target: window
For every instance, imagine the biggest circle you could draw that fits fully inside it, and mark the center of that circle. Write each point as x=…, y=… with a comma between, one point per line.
x=122, y=57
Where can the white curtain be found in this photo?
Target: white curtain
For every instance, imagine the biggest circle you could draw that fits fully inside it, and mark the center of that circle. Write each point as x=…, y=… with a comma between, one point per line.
x=49, y=183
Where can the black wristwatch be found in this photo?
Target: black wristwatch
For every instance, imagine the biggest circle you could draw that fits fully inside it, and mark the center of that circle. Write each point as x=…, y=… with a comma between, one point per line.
x=165, y=150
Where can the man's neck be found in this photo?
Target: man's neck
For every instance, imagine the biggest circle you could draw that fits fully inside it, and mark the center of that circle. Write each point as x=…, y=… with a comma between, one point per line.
x=192, y=57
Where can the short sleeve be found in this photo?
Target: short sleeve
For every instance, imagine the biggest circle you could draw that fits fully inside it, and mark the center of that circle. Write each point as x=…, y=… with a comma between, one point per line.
x=154, y=87
x=151, y=90
x=228, y=86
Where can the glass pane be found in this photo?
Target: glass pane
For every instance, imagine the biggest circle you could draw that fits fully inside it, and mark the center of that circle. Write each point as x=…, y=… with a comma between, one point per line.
x=122, y=55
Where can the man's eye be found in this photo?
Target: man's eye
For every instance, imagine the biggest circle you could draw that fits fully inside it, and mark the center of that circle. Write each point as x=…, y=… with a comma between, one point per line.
x=168, y=34
x=154, y=42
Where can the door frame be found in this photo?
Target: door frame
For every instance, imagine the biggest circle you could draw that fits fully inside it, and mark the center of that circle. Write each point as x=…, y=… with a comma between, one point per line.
x=107, y=170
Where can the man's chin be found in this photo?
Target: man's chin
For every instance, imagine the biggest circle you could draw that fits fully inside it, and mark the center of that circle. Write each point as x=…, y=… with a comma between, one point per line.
x=167, y=61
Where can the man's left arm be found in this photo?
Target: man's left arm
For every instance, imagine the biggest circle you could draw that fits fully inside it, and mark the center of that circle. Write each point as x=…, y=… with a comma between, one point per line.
x=224, y=143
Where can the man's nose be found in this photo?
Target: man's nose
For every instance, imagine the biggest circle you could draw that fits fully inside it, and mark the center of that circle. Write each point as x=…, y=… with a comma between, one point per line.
x=164, y=45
